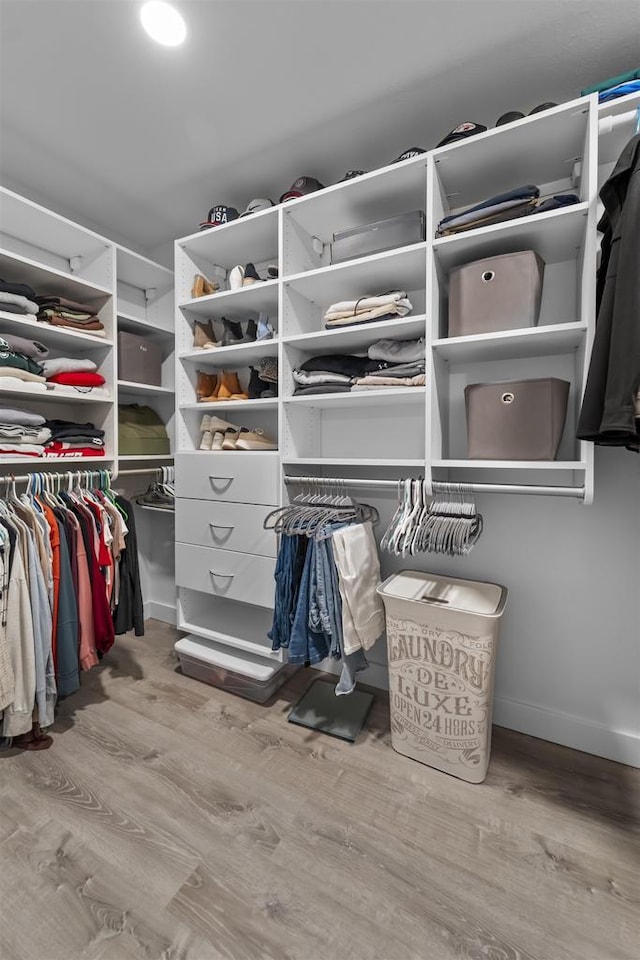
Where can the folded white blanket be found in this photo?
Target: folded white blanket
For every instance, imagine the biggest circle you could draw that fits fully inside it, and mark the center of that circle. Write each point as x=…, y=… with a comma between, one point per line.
x=400, y=309
x=6, y=315
x=367, y=303
x=66, y=365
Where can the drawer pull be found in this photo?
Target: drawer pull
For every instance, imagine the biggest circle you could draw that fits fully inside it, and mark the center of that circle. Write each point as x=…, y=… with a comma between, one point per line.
x=229, y=576
x=220, y=526
x=221, y=479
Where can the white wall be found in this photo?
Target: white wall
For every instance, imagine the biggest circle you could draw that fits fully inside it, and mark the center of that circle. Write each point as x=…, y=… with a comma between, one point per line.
x=569, y=656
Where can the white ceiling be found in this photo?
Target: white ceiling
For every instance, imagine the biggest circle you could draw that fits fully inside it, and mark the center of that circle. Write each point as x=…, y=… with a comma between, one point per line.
x=138, y=140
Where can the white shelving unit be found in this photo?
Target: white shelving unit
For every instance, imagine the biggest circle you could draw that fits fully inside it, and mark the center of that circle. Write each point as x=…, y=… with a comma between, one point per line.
x=393, y=432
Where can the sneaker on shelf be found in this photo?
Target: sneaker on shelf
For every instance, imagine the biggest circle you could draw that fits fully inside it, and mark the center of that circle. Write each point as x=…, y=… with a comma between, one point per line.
x=236, y=277
x=218, y=438
x=254, y=440
x=205, y=423
x=218, y=425
x=250, y=275
x=231, y=435
x=206, y=440
x=264, y=328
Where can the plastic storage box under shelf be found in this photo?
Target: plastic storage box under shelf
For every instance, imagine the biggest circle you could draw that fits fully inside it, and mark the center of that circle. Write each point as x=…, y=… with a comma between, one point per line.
x=245, y=675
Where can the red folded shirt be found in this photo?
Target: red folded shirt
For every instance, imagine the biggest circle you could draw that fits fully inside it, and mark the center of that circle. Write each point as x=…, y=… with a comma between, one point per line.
x=57, y=449
x=77, y=379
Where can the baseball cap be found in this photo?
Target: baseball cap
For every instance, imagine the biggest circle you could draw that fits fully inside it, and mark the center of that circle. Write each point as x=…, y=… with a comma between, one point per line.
x=351, y=174
x=510, y=117
x=301, y=187
x=461, y=132
x=218, y=215
x=408, y=154
x=543, y=106
x=256, y=205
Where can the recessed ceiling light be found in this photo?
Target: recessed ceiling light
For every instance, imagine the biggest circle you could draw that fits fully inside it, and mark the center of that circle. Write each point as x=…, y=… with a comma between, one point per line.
x=163, y=23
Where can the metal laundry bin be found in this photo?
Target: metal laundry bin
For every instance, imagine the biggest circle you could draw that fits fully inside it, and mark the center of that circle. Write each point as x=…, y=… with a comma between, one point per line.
x=442, y=635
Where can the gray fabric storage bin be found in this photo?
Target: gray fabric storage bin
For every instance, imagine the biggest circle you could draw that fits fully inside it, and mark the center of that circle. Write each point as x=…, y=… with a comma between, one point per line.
x=378, y=236
x=496, y=293
x=517, y=419
x=139, y=360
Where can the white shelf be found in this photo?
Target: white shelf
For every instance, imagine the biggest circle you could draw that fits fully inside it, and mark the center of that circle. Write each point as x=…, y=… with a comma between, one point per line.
x=357, y=338
x=49, y=280
x=51, y=395
x=138, y=271
x=50, y=335
x=401, y=269
x=256, y=297
x=538, y=149
x=131, y=458
x=556, y=236
x=512, y=344
x=352, y=462
x=249, y=239
x=230, y=405
x=244, y=354
x=396, y=189
x=138, y=325
x=511, y=464
x=387, y=396
x=129, y=386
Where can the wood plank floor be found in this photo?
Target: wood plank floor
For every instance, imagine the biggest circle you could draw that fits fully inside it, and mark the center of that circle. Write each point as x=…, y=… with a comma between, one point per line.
x=172, y=821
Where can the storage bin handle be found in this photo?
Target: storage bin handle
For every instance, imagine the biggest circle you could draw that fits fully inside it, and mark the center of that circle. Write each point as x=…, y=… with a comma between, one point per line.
x=221, y=526
x=221, y=479
x=229, y=576
x=426, y=598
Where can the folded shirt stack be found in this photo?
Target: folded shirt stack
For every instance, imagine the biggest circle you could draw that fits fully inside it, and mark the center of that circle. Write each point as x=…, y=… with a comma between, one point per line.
x=62, y=312
x=79, y=375
x=72, y=440
x=17, y=299
x=389, y=364
x=615, y=87
x=22, y=433
x=18, y=368
x=401, y=364
x=519, y=202
x=385, y=306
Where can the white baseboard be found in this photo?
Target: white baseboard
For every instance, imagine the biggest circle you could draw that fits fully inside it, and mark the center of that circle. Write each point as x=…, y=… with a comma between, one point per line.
x=160, y=611
x=553, y=725
x=576, y=732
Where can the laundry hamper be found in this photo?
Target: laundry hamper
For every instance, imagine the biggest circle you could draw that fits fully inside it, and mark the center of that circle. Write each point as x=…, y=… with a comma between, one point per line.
x=442, y=635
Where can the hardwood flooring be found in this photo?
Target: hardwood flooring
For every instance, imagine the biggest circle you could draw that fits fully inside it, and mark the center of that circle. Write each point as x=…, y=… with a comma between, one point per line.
x=172, y=821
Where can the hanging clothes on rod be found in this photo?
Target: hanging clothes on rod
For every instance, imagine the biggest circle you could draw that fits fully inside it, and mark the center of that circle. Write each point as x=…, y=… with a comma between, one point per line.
x=327, y=572
x=68, y=573
x=446, y=523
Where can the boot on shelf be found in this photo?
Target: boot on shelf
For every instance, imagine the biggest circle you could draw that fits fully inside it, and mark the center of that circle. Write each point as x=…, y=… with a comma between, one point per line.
x=232, y=334
x=206, y=386
x=230, y=388
x=256, y=385
x=264, y=329
x=203, y=335
x=203, y=287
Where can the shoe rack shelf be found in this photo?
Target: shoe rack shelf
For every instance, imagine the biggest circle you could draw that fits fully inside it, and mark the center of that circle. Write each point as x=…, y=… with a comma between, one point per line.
x=128, y=291
x=401, y=431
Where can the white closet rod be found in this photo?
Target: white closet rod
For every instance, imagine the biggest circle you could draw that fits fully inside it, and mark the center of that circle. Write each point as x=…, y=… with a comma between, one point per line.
x=607, y=124
x=476, y=487
x=24, y=478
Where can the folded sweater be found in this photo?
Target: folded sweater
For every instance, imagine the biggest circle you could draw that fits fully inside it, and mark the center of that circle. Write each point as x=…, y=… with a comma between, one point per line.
x=77, y=378
x=28, y=348
x=29, y=306
x=67, y=365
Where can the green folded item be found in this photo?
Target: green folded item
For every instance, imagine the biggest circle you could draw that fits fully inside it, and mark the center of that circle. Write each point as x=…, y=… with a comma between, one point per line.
x=141, y=432
x=612, y=82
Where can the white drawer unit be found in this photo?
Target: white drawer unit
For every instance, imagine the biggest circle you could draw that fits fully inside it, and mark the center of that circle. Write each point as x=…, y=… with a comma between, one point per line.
x=225, y=573
x=238, y=477
x=227, y=526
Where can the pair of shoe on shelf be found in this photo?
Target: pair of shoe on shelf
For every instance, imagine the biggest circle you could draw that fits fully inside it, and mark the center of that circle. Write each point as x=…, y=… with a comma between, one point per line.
x=226, y=386
x=232, y=336
x=203, y=287
x=212, y=387
x=219, y=434
x=244, y=276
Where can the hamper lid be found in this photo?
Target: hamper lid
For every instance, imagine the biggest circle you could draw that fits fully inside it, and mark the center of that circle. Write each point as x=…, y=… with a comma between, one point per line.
x=447, y=593
x=217, y=655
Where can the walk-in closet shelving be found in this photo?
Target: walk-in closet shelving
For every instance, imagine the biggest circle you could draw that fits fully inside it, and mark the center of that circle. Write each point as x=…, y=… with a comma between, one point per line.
x=145, y=308
x=390, y=432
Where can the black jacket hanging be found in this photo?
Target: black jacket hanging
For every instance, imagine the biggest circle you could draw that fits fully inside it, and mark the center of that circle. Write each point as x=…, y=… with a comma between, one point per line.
x=129, y=614
x=608, y=410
